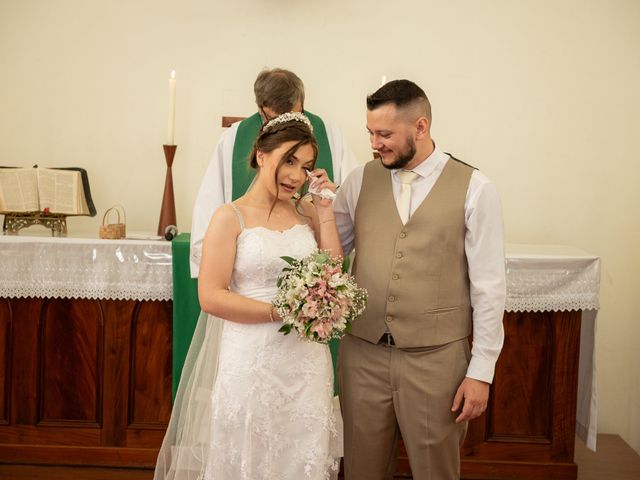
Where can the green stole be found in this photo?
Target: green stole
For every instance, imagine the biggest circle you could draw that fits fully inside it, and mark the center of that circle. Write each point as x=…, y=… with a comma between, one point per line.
x=242, y=173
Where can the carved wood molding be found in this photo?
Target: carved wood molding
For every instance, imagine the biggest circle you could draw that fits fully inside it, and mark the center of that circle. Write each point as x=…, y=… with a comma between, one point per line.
x=77, y=455
x=228, y=121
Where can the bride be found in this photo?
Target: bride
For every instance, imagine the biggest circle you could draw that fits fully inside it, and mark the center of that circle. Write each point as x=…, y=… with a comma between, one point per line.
x=254, y=403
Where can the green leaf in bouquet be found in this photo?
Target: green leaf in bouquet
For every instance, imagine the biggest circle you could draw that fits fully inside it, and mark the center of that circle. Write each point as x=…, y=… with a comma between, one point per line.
x=289, y=260
x=307, y=327
x=347, y=328
x=285, y=328
x=322, y=257
x=345, y=264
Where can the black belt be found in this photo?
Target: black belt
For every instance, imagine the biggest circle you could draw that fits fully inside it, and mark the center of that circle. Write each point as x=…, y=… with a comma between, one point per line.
x=387, y=339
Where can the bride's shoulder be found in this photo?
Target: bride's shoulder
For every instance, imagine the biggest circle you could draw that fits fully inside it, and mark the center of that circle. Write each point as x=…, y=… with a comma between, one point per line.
x=227, y=217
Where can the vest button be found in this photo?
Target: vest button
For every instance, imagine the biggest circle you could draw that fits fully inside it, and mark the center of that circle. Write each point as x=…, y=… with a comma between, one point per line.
x=403, y=235
x=389, y=318
x=399, y=255
x=395, y=276
x=392, y=298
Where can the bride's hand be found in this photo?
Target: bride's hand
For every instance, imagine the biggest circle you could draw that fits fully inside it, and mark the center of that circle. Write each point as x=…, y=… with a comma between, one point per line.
x=321, y=188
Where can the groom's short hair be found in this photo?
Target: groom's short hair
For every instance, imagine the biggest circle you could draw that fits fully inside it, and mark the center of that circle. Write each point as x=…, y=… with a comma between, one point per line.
x=402, y=94
x=278, y=89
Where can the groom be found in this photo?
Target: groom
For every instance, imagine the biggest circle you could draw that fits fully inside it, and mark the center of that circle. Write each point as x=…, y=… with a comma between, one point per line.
x=228, y=176
x=428, y=236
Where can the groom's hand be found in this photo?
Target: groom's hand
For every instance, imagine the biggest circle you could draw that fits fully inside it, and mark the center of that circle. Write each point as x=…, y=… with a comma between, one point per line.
x=473, y=395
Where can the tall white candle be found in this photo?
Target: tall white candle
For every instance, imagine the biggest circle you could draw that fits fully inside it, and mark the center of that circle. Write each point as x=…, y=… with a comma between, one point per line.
x=172, y=108
x=384, y=80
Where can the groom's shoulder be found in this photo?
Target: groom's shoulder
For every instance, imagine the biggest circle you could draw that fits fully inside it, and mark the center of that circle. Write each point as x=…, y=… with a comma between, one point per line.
x=355, y=175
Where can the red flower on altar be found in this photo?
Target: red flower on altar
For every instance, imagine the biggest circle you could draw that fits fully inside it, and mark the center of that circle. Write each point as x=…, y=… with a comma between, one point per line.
x=46, y=211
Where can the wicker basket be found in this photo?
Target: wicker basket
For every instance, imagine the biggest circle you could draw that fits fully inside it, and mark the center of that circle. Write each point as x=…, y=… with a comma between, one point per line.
x=113, y=230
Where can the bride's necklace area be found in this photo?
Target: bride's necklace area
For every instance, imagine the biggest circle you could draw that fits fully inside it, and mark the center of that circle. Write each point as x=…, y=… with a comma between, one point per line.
x=268, y=216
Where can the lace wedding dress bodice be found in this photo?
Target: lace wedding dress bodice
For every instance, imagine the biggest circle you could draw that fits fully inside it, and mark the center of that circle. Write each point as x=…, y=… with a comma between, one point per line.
x=258, y=261
x=273, y=414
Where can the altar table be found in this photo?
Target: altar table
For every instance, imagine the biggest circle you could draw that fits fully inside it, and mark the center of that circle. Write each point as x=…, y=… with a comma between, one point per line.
x=85, y=350
x=87, y=328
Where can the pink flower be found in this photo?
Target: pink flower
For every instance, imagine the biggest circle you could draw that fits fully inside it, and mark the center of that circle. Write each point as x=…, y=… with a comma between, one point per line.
x=319, y=288
x=310, y=309
x=322, y=328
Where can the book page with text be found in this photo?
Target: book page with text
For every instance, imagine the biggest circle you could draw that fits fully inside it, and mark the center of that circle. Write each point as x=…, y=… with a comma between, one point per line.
x=58, y=190
x=83, y=207
x=18, y=190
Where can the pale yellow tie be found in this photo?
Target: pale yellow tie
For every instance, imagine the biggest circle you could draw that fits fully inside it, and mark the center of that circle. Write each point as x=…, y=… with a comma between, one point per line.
x=403, y=201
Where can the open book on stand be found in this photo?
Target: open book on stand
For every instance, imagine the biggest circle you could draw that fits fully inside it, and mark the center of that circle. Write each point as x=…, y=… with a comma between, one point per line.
x=63, y=191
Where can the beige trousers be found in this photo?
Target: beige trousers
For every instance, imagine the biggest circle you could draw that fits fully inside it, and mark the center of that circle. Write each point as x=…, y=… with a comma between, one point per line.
x=386, y=391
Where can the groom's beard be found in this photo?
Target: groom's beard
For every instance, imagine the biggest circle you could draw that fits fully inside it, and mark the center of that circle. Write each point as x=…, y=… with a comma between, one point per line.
x=404, y=157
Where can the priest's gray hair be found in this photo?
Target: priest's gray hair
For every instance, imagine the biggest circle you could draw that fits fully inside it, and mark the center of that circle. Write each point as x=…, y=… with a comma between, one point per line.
x=278, y=89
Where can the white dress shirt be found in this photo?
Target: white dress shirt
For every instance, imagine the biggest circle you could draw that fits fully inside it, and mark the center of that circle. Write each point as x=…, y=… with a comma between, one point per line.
x=215, y=189
x=484, y=248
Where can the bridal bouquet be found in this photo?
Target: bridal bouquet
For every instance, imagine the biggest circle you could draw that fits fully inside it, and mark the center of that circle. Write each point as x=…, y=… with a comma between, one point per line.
x=317, y=297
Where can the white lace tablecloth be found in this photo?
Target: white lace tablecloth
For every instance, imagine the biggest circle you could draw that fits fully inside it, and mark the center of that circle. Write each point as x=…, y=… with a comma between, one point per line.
x=547, y=278
x=85, y=268
x=556, y=278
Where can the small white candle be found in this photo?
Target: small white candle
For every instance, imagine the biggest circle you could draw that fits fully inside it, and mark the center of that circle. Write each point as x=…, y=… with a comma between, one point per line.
x=172, y=108
x=384, y=80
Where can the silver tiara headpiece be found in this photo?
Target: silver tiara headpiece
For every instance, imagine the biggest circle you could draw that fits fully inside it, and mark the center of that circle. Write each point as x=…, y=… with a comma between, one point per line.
x=288, y=117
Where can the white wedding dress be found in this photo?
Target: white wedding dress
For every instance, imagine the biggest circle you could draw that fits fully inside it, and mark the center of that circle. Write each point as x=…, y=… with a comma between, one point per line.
x=270, y=413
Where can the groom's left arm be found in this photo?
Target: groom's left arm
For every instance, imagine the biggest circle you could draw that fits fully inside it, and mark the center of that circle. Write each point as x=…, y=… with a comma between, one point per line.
x=484, y=248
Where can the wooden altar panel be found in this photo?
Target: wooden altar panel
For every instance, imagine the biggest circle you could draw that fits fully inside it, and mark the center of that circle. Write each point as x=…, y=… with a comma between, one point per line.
x=71, y=335
x=23, y=385
x=150, y=395
x=524, y=379
x=87, y=382
x=5, y=359
x=109, y=362
x=528, y=430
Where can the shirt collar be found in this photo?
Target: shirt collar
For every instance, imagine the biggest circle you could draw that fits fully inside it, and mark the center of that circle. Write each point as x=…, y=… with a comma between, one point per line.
x=430, y=164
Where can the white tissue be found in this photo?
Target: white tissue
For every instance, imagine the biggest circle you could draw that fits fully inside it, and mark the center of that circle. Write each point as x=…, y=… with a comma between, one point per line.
x=324, y=193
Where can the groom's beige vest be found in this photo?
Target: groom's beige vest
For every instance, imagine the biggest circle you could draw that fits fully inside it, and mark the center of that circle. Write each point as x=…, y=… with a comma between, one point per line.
x=416, y=274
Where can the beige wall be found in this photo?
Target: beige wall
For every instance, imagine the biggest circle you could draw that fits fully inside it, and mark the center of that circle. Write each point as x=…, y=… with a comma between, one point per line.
x=543, y=96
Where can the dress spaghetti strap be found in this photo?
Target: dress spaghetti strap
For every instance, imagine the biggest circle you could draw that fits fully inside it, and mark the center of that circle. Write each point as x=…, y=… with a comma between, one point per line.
x=238, y=214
